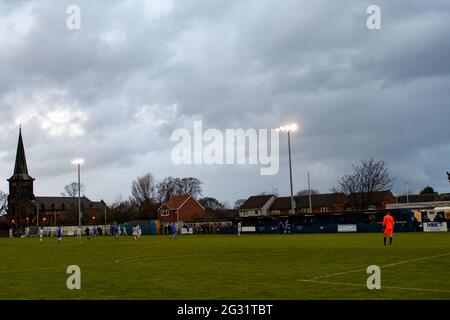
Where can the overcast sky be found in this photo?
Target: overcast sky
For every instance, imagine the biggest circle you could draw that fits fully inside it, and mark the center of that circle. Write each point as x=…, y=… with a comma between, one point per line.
x=114, y=91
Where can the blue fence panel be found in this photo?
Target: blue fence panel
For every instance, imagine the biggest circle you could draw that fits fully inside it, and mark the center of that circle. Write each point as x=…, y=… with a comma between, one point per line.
x=368, y=227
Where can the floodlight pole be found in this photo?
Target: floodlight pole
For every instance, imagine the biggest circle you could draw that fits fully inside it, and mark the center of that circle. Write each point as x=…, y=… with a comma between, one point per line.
x=290, y=173
x=407, y=192
x=37, y=214
x=310, y=195
x=79, y=195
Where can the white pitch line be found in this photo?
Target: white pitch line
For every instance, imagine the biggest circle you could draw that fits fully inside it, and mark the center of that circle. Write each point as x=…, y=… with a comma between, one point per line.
x=388, y=287
x=384, y=266
x=126, y=258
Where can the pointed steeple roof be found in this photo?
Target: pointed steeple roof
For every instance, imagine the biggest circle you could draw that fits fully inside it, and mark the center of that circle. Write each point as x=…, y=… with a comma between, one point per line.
x=21, y=168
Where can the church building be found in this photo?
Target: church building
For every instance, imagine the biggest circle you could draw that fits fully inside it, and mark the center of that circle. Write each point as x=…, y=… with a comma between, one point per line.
x=25, y=209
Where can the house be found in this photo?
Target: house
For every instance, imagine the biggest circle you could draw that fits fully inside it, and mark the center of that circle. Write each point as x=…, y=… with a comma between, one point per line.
x=372, y=201
x=257, y=206
x=444, y=197
x=415, y=198
x=421, y=202
x=282, y=206
x=64, y=211
x=321, y=203
x=181, y=208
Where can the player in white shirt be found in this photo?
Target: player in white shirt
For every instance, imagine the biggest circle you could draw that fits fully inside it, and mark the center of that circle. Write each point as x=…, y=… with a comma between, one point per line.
x=135, y=232
x=139, y=231
x=239, y=229
x=124, y=231
x=40, y=233
x=78, y=233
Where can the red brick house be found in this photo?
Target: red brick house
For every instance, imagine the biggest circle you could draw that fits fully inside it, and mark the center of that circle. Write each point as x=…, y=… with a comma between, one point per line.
x=360, y=201
x=321, y=203
x=181, y=208
x=414, y=198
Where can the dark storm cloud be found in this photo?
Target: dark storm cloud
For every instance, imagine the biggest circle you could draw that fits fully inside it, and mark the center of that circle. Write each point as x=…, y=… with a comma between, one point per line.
x=114, y=91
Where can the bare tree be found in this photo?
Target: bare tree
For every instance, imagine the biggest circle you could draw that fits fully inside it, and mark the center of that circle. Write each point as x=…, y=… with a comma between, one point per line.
x=170, y=186
x=238, y=203
x=305, y=192
x=143, y=190
x=212, y=203
x=368, y=178
x=3, y=203
x=274, y=192
x=167, y=188
x=191, y=186
x=428, y=190
x=71, y=190
x=122, y=210
x=347, y=184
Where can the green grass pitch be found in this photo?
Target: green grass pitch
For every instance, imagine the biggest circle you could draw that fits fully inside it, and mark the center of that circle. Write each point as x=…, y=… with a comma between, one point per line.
x=321, y=266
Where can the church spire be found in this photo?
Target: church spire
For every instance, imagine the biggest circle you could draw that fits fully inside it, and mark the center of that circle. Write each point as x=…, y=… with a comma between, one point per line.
x=21, y=168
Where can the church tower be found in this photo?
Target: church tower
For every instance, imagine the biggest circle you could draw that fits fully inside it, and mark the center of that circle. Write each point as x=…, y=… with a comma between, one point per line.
x=21, y=196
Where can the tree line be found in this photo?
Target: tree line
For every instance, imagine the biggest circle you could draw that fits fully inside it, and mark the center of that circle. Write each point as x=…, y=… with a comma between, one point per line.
x=147, y=193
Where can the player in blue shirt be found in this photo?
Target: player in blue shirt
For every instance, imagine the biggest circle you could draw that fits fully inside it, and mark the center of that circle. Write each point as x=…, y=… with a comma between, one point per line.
x=116, y=231
x=59, y=234
x=87, y=232
x=170, y=229
x=174, y=232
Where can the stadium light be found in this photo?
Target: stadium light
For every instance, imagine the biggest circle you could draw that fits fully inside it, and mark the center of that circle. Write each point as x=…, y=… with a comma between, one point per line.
x=290, y=128
x=78, y=162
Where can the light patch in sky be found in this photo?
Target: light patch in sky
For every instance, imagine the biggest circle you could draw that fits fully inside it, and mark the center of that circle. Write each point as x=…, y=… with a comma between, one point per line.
x=156, y=8
x=114, y=37
x=155, y=115
x=16, y=24
x=64, y=122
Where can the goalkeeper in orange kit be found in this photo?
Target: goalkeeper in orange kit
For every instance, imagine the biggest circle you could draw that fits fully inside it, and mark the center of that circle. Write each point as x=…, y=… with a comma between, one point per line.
x=388, y=225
